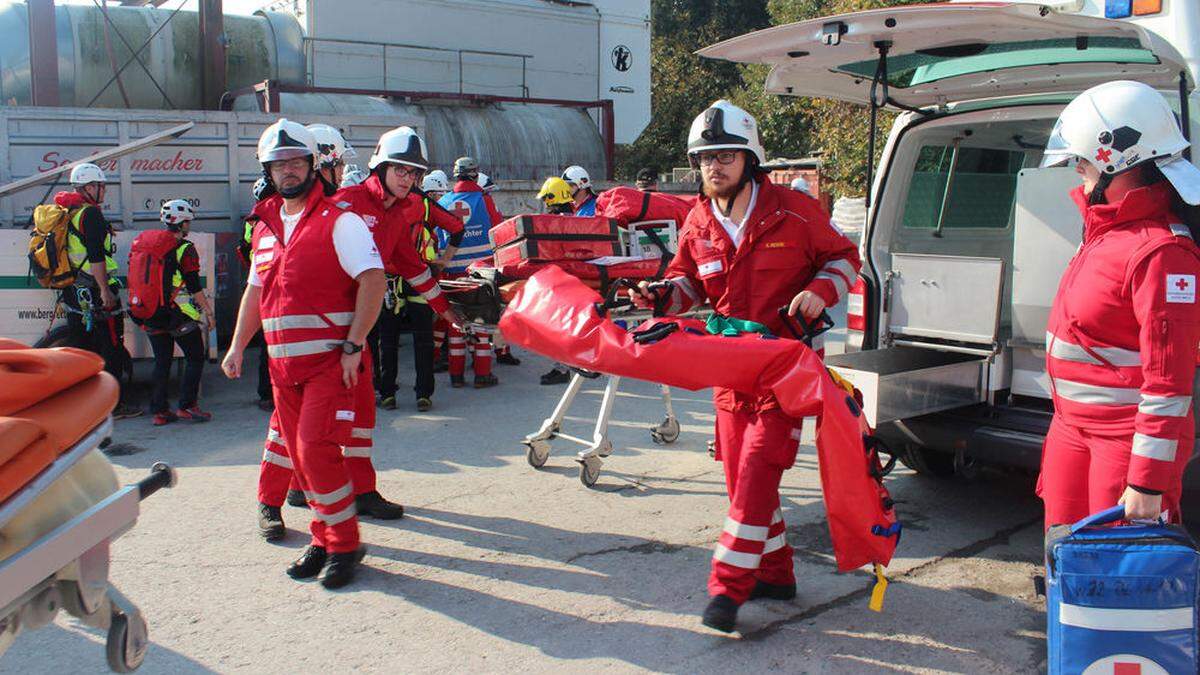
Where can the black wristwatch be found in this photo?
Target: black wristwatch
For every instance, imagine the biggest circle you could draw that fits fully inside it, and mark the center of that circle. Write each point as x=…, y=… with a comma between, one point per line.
x=349, y=347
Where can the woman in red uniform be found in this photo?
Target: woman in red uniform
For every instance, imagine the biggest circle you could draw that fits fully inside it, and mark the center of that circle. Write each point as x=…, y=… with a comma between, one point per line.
x=1122, y=336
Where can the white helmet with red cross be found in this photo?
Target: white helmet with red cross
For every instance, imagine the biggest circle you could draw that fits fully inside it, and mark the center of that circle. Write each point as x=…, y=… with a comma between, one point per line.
x=1119, y=125
x=332, y=148
x=724, y=126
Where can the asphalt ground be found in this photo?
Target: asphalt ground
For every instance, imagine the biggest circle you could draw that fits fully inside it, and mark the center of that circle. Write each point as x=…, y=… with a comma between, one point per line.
x=498, y=567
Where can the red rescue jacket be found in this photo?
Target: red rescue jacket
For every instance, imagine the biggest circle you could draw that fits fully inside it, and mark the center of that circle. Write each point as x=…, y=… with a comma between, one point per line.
x=789, y=246
x=1124, y=327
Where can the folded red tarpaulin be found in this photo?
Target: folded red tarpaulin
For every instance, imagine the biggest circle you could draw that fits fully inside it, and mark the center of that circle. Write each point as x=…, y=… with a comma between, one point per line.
x=630, y=205
x=555, y=316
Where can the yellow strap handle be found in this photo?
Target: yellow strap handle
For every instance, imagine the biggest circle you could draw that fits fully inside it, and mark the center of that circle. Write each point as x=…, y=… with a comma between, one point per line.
x=881, y=584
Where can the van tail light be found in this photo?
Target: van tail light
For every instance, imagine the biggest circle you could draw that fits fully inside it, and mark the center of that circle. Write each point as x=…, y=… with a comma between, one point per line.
x=856, y=318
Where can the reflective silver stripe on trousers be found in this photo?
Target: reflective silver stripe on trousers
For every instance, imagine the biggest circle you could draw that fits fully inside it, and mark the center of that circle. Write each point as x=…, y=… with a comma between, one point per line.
x=1069, y=351
x=1154, y=448
x=362, y=432
x=304, y=348
x=297, y=321
x=356, y=451
x=339, y=517
x=1165, y=406
x=275, y=437
x=743, y=531
x=839, y=283
x=842, y=266
x=276, y=459
x=328, y=498
x=747, y=561
x=1095, y=394
x=775, y=543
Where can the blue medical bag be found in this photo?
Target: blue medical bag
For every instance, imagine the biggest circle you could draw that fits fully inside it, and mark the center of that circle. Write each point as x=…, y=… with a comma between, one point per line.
x=1121, y=600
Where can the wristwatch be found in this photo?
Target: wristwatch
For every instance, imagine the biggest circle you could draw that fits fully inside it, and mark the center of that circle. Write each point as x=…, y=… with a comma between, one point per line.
x=349, y=347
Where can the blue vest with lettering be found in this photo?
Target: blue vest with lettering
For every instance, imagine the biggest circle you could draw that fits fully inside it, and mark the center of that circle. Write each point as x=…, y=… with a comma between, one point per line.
x=476, y=222
x=587, y=208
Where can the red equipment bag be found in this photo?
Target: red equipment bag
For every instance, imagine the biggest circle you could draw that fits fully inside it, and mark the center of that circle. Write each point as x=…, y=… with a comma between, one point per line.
x=633, y=269
x=554, y=237
x=555, y=315
x=151, y=267
x=630, y=205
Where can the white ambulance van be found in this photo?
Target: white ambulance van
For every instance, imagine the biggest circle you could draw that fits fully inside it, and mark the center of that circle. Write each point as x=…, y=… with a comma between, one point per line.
x=966, y=237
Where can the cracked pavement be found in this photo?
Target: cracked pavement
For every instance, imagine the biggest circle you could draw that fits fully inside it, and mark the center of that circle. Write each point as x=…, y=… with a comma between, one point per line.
x=500, y=567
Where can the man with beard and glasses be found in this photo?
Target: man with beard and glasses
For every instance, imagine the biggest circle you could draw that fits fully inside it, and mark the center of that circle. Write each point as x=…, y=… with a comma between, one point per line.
x=750, y=247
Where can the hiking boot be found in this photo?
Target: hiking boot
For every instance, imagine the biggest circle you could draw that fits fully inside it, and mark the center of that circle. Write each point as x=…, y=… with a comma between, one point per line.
x=164, y=418
x=309, y=564
x=721, y=614
x=372, y=504
x=194, y=414
x=270, y=522
x=507, y=358
x=424, y=403
x=123, y=411
x=767, y=591
x=341, y=568
x=484, y=381
x=458, y=381
x=441, y=365
x=556, y=376
x=296, y=498
x=388, y=403
x=266, y=405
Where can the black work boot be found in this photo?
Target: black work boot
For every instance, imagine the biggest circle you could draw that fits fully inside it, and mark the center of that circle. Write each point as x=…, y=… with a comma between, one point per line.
x=721, y=614
x=341, y=568
x=372, y=504
x=507, y=359
x=270, y=522
x=484, y=381
x=297, y=498
x=458, y=381
x=763, y=590
x=309, y=564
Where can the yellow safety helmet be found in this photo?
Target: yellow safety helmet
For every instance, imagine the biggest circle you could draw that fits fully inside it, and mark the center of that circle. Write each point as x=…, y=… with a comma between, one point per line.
x=555, y=191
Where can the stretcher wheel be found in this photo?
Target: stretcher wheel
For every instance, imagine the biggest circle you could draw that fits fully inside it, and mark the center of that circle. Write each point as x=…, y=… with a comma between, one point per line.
x=536, y=453
x=126, y=644
x=665, y=433
x=589, y=472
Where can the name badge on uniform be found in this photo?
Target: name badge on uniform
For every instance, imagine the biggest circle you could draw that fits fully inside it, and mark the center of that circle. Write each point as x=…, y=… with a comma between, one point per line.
x=266, y=242
x=708, y=269
x=1181, y=288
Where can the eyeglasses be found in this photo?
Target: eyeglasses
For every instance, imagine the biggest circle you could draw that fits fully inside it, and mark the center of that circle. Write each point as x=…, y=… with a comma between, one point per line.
x=403, y=171
x=720, y=157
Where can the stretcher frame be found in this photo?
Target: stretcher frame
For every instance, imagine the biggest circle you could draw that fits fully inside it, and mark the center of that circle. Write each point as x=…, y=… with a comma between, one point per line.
x=67, y=567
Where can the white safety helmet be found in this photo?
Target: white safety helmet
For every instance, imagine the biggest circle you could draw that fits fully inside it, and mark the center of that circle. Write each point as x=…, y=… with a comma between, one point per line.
x=724, y=126
x=485, y=182
x=801, y=185
x=353, y=175
x=400, y=146
x=1119, y=125
x=332, y=148
x=83, y=174
x=436, y=181
x=286, y=139
x=175, y=213
x=578, y=177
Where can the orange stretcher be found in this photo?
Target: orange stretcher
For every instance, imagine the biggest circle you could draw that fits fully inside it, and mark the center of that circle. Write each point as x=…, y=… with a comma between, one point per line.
x=60, y=503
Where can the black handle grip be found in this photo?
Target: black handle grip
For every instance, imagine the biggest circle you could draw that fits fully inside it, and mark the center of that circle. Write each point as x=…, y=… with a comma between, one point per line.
x=613, y=300
x=161, y=476
x=808, y=331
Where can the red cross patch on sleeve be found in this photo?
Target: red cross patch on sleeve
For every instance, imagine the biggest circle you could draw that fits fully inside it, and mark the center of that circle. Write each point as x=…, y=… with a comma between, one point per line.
x=1181, y=288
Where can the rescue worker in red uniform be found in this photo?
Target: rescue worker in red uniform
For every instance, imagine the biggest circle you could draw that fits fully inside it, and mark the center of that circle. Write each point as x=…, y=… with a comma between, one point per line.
x=750, y=247
x=316, y=284
x=1123, y=330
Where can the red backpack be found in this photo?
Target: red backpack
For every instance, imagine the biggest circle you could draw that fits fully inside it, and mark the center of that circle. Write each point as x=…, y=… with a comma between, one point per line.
x=151, y=268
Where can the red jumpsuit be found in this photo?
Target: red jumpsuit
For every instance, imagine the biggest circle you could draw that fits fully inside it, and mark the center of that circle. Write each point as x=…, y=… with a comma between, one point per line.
x=308, y=303
x=1120, y=354
x=788, y=246
x=390, y=229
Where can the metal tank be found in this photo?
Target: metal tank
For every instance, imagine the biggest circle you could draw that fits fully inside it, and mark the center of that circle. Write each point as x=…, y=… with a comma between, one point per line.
x=266, y=46
x=512, y=141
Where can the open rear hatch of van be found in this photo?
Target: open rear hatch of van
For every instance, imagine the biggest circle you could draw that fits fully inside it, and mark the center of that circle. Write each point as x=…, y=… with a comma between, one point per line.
x=918, y=56
x=943, y=334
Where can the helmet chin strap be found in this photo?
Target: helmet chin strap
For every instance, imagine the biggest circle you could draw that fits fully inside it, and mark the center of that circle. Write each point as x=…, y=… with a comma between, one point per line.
x=747, y=176
x=301, y=189
x=1096, y=196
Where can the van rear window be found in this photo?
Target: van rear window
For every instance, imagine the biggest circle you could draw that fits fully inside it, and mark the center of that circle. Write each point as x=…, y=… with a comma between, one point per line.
x=980, y=194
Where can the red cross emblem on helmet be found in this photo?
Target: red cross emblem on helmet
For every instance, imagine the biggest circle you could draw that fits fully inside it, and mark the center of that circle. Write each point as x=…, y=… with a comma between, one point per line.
x=1104, y=155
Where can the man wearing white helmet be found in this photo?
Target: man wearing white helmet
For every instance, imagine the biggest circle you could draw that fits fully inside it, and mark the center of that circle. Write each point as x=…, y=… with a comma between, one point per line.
x=332, y=153
x=1122, y=332
x=581, y=190
x=188, y=315
x=315, y=287
x=750, y=247
x=392, y=203
x=93, y=302
x=435, y=184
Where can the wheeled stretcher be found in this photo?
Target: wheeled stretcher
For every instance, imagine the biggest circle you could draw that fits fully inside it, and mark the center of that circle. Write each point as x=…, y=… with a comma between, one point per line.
x=60, y=504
